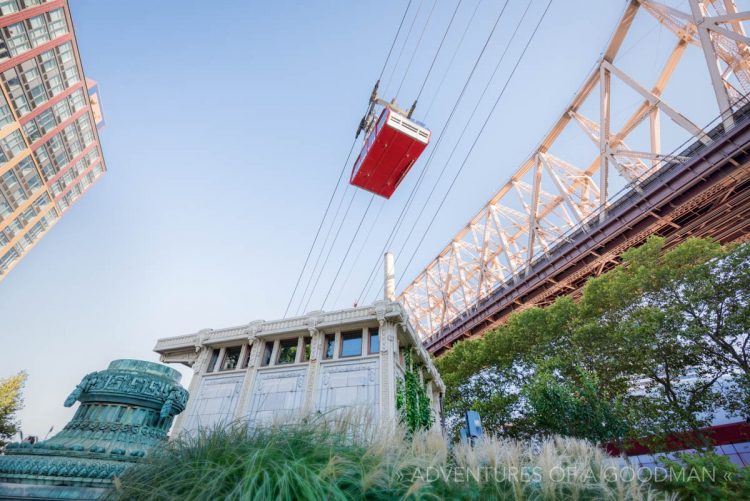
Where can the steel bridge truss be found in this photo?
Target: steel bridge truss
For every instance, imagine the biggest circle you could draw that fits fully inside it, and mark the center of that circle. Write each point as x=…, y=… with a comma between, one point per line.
x=553, y=196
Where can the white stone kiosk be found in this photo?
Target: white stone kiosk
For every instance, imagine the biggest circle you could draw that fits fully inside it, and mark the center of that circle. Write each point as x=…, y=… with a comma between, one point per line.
x=323, y=361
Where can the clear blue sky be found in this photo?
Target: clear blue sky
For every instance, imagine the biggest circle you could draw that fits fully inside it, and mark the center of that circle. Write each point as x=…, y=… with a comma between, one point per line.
x=227, y=125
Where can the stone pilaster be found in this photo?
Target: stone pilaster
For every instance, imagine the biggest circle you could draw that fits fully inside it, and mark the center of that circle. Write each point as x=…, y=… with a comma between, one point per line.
x=316, y=353
x=388, y=348
x=199, y=369
x=252, y=368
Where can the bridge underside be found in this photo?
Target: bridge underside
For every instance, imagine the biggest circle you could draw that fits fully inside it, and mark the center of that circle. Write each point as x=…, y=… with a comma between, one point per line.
x=707, y=196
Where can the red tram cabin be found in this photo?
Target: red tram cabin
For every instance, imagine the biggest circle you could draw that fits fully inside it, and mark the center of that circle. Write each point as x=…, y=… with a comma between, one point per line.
x=390, y=150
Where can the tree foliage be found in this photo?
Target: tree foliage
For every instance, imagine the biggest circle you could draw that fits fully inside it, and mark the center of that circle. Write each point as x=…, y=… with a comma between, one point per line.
x=11, y=401
x=575, y=407
x=661, y=341
x=707, y=476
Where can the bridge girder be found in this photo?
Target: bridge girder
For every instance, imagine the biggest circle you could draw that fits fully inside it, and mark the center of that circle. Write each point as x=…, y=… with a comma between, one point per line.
x=548, y=197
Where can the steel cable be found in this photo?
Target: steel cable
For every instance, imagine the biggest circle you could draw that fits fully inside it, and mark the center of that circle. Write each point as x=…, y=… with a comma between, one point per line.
x=416, y=48
x=476, y=139
x=320, y=227
x=471, y=115
x=367, y=287
x=440, y=47
x=328, y=254
x=341, y=174
x=348, y=249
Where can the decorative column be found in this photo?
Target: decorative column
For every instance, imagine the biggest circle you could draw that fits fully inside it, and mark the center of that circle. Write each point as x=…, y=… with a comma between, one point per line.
x=200, y=366
x=388, y=351
x=126, y=410
x=252, y=368
x=316, y=353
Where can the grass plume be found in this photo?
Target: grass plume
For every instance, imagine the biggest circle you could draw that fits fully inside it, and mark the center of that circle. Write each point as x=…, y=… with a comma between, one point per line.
x=341, y=458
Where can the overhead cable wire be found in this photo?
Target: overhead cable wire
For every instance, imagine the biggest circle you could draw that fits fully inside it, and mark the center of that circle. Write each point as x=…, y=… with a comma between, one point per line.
x=330, y=249
x=445, y=127
x=429, y=71
x=341, y=174
x=348, y=249
x=614, y=113
x=471, y=115
x=403, y=46
x=437, y=52
x=427, y=76
x=416, y=48
x=322, y=250
x=338, y=231
x=453, y=57
x=401, y=219
x=351, y=243
x=476, y=139
x=393, y=44
x=368, y=283
x=359, y=252
x=320, y=227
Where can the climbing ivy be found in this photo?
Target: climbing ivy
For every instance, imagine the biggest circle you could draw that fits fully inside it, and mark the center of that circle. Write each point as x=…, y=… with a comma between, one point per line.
x=412, y=401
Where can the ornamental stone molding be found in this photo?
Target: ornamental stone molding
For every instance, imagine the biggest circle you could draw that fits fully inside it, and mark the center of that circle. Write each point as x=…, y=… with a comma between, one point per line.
x=125, y=411
x=200, y=338
x=320, y=320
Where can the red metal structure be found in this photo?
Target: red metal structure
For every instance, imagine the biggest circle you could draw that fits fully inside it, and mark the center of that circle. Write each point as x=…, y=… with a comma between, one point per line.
x=390, y=150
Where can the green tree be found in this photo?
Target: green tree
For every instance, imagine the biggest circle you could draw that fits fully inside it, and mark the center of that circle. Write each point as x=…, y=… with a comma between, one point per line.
x=11, y=402
x=658, y=335
x=576, y=409
x=684, y=312
x=706, y=477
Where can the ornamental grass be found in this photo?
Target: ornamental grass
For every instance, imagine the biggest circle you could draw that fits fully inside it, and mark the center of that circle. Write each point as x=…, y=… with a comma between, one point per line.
x=343, y=458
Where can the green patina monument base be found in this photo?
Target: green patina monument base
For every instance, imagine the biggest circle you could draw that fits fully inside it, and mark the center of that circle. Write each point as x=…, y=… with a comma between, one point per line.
x=50, y=493
x=125, y=411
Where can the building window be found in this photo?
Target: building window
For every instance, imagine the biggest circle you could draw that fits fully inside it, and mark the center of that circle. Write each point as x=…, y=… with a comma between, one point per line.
x=11, y=183
x=28, y=215
x=22, y=105
x=76, y=100
x=5, y=208
x=13, y=144
x=18, y=41
x=267, y=350
x=231, y=358
x=351, y=344
x=57, y=25
x=32, y=131
x=246, y=358
x=8, y=7
x=38, y=31
x=212, y=361
x=5, y=116
x=287, y=351
x=38, y=94
x=46, y=121
x=330, y=345
x=35, y=231
x=26, y=81
x=8, y=259
x=374, y=341
x=306, y=348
